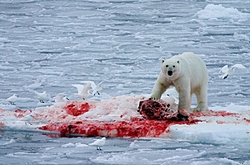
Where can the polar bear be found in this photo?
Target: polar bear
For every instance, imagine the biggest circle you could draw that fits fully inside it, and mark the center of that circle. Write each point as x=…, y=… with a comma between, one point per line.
x=188, y=74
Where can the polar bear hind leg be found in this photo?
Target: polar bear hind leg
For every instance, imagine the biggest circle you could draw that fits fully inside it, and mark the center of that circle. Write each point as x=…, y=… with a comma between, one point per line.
x=201, y=95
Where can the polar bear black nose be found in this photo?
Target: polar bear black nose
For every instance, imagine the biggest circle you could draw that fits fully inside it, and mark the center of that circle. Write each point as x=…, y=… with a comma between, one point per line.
x=170, y=73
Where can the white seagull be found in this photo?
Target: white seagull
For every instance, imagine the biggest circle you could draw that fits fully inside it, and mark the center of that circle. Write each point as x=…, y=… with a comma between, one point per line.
x=99, y=143
x=96, y=88
x=229, y=71
x=35, y=85
x=27, y=118
x=83, y=90
x=59, y=98
x=171, y=92
x=42, y=96
x=12, y=99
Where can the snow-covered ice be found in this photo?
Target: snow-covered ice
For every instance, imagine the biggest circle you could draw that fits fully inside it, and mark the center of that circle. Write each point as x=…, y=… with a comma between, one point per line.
x=49, y=45
x=219, y=11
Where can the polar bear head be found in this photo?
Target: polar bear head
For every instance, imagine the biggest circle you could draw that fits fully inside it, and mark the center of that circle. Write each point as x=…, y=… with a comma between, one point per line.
x=171, y=68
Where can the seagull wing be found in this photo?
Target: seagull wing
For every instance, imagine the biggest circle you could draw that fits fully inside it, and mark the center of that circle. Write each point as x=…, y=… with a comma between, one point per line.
x=35, y=92
x=98, y=142
x=79, y=87
x=100, y=84
x=93, y=85
x=224, y=69
x=60, y=98
x=86, y=88
x=98, y=87
x=95, y=143
x=42, y=95
x=239, y=66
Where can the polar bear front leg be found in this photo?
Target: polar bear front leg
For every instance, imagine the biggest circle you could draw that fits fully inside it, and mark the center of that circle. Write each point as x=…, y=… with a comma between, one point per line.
x=158, y=90
x=184, y=98
x=184, y=101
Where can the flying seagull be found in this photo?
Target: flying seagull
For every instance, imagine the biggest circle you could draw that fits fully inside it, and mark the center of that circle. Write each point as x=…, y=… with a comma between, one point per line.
x=95, y=87
x=229, y=71
x=83, y=90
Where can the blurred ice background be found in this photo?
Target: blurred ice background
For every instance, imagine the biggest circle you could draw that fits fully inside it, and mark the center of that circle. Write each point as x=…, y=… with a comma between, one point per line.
x=49, y=45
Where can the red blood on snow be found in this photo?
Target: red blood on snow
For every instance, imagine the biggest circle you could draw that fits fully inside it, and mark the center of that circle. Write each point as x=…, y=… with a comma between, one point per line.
x=134, y=128
x=156, y=122
x=213, y=113
x=20, y=113
x=1, y=124
x=77, y=109
x=247, y=120
x=157, y=118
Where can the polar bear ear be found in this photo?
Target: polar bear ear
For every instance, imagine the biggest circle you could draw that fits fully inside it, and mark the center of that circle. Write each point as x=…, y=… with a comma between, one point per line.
x=178, y=62
x=162, y=61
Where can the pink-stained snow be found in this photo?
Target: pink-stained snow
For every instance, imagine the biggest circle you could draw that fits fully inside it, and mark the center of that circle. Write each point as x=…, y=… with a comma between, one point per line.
x=216, y=125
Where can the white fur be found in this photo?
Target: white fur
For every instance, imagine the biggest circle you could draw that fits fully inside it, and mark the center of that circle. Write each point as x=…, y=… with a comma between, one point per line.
x=189, y=76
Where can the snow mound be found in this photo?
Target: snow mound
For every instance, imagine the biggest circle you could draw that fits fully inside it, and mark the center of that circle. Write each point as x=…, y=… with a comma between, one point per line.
x=216, y=127
x=212, y=11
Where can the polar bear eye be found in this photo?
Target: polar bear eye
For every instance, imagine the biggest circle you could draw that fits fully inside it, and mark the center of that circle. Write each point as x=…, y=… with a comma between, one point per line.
x=166, y=65
x=173, y=66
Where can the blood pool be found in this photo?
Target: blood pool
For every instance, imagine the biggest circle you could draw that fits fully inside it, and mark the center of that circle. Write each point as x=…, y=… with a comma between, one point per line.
x=155, y=122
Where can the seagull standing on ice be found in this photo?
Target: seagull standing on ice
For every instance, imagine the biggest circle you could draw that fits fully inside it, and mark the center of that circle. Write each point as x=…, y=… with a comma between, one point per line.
x=96, y=88
x=61, y=98
x=41, y=96
x=27, y=118
x=83, y=90
x=229, y=71
x=12, y=99
x=99, y=143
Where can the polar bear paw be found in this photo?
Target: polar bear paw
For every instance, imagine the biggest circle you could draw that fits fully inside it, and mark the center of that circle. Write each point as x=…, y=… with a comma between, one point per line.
x=155, y=96
x=200, y=108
